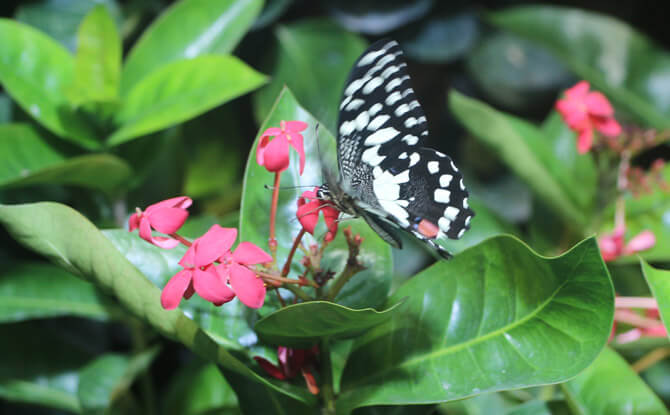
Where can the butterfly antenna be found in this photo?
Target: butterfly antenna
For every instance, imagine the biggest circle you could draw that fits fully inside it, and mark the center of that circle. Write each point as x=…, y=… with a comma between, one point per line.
x=268, y=187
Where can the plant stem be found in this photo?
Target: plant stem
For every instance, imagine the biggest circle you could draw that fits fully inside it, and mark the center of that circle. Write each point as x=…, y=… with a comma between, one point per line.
x=327, y=391
x=634, y=319
x=181, y=239
x=272, y=242
x=340, y=280
x=298, y=292
x=651, y=359
x=289, y=259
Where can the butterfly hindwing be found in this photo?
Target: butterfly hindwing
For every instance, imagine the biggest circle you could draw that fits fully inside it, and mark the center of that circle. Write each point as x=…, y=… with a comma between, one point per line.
x=390, y=178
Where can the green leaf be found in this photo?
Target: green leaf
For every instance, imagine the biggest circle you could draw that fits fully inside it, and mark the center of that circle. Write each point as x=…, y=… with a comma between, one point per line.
x=188, y=29
x=31, y=290
x=97, y=64
x=47, y=228
x=527, y=152
x=610, y=387
x=27, y=159
x=317, y=320
x=37, y=72
x=60, y=19
x=109, y=377
x=197, y=388
x=368, y=288
x=624, y=64
x=314, y=60
x=182, y=90
x=496, y=317
x=659, y=283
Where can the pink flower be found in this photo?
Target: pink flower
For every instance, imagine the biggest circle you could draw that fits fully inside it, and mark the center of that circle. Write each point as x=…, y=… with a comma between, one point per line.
x=199, y=273
x=584, y=111
x=291, y=363
x=612, y=245
x=165, y=217
x=244, y=282
x=274, y=154
x=308, y=213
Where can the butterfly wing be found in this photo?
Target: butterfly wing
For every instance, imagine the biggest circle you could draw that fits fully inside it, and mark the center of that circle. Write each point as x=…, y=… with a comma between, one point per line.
x=383, y=167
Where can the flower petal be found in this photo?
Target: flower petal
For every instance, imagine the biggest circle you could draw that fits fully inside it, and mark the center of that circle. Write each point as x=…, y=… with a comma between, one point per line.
x=188, y=260
x=175, y=289
x=607, y=126
x=597, y=104
x=181, y=202
x=275, y=157
x=295, y=126
x=167, y=220
x=297, y=143
x=214, y=243
x=641, y=242
x=578, y=91
x=247, y=253
x=247, y=286
x=308, y=215
x=584, y=141
x=209, y=286
x=271, y=369
x=163, y=242
x=133, y=222
x=145, y=229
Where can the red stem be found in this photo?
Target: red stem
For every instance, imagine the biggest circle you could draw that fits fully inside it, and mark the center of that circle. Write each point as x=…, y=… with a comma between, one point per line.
x=181, y=239
x=272, y=242
x=296, y=242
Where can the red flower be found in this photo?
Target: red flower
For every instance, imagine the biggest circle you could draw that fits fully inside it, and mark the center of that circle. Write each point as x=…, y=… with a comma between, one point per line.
x=291, y=363
x=584, y=111
x=308, y=213
x=245, y=283
x=612, y=245
x=199, y=273
x=274, y=154
x=165, y=217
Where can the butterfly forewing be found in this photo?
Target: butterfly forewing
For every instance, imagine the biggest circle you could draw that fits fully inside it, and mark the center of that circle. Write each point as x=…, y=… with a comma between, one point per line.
x=389, y=177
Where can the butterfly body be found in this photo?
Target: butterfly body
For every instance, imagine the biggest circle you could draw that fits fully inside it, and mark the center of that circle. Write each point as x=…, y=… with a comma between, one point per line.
x=385, y=175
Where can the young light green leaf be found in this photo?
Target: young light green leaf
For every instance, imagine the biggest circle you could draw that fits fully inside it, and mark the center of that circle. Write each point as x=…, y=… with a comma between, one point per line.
x=188, y=29
x=659, y=283
x=303, y=325
x=47, y=228
x=97, y=63
x=27, y=159
x=609, y=386
x=527, y=152
x=37, y=72
x=496, y=317
x=624, y=64
x=182, y=90
x=318, y=87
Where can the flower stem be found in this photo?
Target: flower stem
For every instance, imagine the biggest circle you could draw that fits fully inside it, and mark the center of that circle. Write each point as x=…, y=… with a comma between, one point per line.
x=327, y=392
x=634, y=319
x=635, y=302
x=296, y=243
x=181, y=239
x=341, y=280
x=651, y=359
x=298, y=292
x=272, y=242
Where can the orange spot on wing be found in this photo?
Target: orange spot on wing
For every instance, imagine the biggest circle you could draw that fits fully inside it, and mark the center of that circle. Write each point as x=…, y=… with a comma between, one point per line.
x=428, y=229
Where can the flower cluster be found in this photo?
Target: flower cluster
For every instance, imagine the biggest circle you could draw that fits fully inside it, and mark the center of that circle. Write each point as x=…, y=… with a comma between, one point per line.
x=612, y=245
x=309, y=207
x=165, y=217
x=585, y=111
x=274, y=154
x=291, y=363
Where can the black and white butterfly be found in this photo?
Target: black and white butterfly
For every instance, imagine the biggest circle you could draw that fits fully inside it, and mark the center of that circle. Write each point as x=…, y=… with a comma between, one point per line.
x=385, y=175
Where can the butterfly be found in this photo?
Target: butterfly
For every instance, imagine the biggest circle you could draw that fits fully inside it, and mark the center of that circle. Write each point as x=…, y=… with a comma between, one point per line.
x=385, y=175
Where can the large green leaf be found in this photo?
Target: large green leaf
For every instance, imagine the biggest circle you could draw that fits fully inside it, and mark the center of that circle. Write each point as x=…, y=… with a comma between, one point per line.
x=108, y=378
x=496, y=317
x=197, y=388
x=47, y=228
x=31, y=290
x=659, y=282
x=182, y=90
x=37, y=72
x=188, y=29
x=527, y=152
x=97, y=64
x=318, y=320
x=26, y=159
x=610, y=387
x=627, y=66
x=314, y=60
x=368, y=288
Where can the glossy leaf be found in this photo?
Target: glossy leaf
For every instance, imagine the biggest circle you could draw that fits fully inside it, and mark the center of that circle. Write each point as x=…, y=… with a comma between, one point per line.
x=197, y=388
x=60, y=19
x=272, y=10
x=26, y=159
x=368, y=288
x=376, y=18
x=182, y=90
x=97, y=63
x=108, y=378
x=624, y=64
x=303, y=325
x=30, y=290
x=37, y=72
x=496, y=317
x=188, y=29
x=527, y=152
x=659, y=283
x=47, y=228
x=318, y=87
x=610, y=387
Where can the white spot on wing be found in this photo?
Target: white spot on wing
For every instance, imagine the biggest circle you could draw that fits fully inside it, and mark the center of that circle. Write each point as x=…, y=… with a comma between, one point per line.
x=347, y=127
x=410, y=139
x=460, y=233
x=397, y=211
x=444, y=224
x=465, y=203
x=370, y=57
x=467, y=220
x=393, y=98
x=389, y=71
x=372, y=157
x=445, y=179
x=410, y=122
x=381, y=136
x=355, y=104
x=413, y=159
x=378, y=122
x=355, y=86
x=403, y=156
x=442, y=196
x=372, y=85
x=451, y=212
x=433, y=167
x=362, y=120
x=375, y=109
x=402, y=109
x=393, y=83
